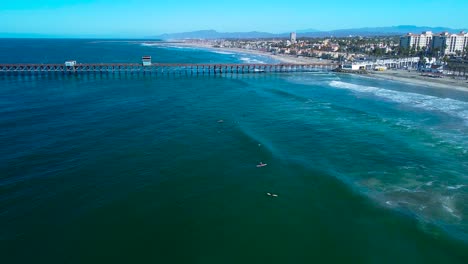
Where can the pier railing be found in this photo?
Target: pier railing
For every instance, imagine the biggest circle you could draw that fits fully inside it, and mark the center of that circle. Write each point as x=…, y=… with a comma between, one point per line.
x=160, y=68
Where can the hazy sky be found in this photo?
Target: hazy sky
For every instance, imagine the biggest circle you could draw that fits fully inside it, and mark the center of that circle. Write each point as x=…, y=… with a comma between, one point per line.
x=133, y=18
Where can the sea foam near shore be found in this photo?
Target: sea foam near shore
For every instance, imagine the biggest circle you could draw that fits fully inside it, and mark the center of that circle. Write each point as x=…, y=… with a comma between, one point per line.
x=446, y=105
x=242, y=57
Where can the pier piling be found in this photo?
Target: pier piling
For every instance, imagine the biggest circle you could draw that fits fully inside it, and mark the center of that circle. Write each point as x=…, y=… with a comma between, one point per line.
x=164, y=69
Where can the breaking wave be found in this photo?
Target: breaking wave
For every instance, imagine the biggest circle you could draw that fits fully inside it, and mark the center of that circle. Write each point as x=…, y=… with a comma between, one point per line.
x=446, y=105
x=149, y=44
x=222, y=52
x=251, y=60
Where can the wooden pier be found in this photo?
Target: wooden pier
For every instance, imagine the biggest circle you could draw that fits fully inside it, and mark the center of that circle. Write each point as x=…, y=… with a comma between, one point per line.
x=161, y=69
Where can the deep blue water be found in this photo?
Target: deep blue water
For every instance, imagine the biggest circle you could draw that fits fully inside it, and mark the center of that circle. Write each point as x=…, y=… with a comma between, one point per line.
x=122, y=169
x=106, y=51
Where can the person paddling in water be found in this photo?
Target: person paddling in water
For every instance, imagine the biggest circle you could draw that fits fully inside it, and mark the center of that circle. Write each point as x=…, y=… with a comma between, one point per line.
x=261, y=164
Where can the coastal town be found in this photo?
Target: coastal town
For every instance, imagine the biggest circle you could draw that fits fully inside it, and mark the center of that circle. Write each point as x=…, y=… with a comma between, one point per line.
x=428, y=54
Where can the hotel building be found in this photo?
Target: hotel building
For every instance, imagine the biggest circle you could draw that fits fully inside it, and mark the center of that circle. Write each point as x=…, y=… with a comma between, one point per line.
x=450, y=43
x=292, y=37
x=423, y=40
x=446, y=43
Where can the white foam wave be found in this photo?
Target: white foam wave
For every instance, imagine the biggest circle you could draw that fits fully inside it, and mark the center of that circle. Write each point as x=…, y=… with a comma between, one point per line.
x=222, y=52
x=429, y=183
x=177, y=47
x=456, y=187
x=251, y=60
x=164, y=45
x=449, y=205
x=149, y=44
x=446, y=105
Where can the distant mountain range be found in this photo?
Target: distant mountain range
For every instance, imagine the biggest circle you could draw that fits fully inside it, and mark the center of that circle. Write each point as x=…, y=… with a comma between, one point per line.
x=368, y=31
x=212, y=34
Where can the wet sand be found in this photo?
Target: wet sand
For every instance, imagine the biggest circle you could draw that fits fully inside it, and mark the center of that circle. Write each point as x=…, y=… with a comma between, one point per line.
x=282, y=58
x=416, y=78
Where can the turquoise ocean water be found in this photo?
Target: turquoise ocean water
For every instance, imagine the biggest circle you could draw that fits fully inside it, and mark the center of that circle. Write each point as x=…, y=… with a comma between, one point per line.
x=138, y=169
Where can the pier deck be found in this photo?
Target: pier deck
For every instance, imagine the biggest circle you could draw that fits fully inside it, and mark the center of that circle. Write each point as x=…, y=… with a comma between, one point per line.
x=161, y=68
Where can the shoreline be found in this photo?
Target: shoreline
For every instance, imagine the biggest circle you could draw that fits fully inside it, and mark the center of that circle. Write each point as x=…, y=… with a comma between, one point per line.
x=416, y=79
x=401, y=76
x=279, y=58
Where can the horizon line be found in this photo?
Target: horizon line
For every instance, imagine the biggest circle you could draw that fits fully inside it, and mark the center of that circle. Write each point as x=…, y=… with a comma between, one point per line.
x=156, y=35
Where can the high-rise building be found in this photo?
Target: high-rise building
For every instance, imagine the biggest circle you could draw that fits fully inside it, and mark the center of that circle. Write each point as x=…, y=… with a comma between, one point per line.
x=446, y=43
x=292, y=37
x=450, y=44
x=423, y=40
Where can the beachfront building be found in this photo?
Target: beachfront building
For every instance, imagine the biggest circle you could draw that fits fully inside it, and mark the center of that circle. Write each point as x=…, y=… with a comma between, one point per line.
x=450, y=44
x=354, y=66
x=417, y=41
x=146, y=60
x=292, y=38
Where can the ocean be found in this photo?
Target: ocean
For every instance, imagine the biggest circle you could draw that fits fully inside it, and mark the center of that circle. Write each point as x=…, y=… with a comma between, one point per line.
x=163, y=169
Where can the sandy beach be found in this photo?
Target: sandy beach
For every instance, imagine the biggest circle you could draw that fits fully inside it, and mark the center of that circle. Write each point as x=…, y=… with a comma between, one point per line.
x=404, y=76
x=416, y=78
x=281, y=58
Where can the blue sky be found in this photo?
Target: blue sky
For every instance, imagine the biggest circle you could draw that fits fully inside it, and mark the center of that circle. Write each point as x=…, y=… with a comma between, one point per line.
x=134, y=18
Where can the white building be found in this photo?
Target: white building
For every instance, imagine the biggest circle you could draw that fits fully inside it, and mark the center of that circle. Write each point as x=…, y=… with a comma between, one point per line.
x=409, y=62
x=423, y=40
x=292, y=37
x=450, y=43
x=353, y=66
x=70, y=63
x=146, y=60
